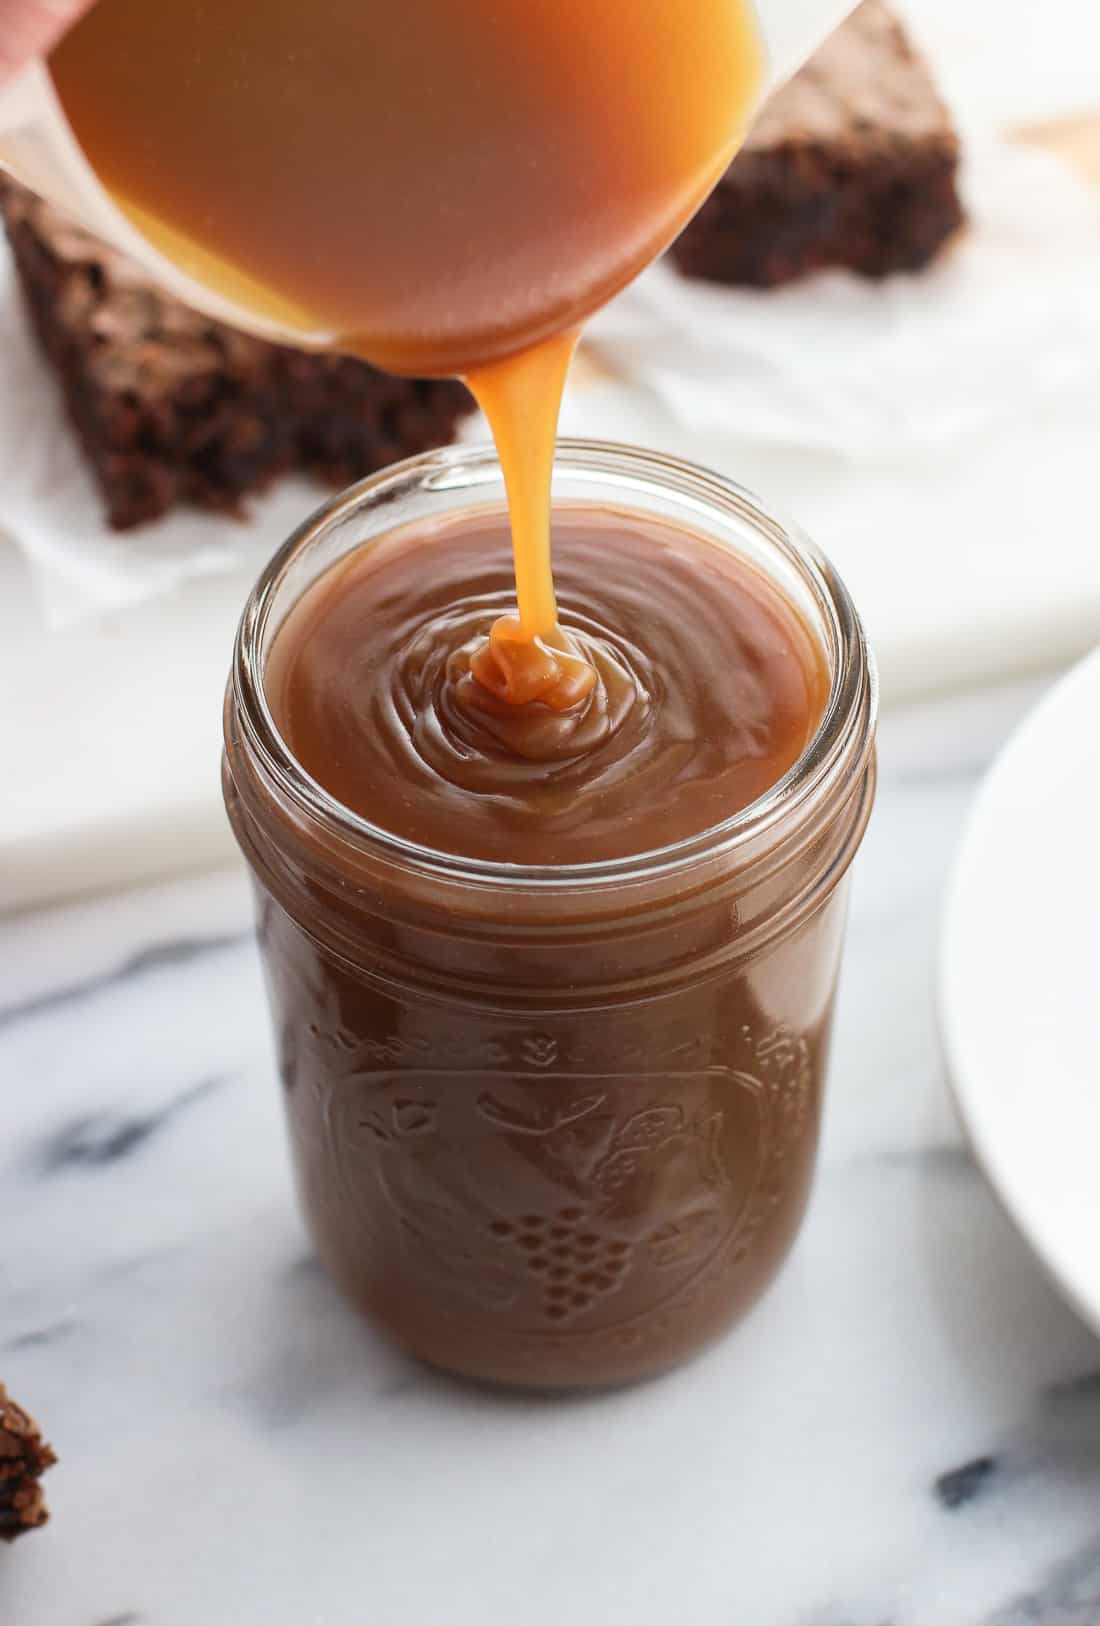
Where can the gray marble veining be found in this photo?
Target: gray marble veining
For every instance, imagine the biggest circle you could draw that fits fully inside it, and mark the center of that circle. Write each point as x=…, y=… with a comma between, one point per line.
x=906, y=1433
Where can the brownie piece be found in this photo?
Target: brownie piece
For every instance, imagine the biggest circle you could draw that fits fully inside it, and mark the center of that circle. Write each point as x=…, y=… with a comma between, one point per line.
x=853, y=163
x=24, y=1458
x=174, y=408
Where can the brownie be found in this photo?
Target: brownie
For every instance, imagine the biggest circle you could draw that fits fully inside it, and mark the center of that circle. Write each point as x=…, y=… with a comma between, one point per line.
x=24, y=1458
x=851, y=164
x=171, y=407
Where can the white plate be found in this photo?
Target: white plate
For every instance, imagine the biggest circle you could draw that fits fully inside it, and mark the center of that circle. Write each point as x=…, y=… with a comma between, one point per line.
x=1020, y=982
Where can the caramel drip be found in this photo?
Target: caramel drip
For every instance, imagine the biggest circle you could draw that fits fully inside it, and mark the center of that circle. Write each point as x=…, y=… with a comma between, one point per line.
x=527, y=657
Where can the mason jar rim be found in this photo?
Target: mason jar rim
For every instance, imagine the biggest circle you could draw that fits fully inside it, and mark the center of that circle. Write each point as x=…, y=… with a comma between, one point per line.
x=847, y=721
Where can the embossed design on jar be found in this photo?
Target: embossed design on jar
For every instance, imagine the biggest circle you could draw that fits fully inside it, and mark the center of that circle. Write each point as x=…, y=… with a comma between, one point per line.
x=540, y=1050
x=578, y=1264
x=548, y=1198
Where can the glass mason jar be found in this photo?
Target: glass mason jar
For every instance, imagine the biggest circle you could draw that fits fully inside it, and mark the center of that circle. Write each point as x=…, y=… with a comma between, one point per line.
x=553, y=1126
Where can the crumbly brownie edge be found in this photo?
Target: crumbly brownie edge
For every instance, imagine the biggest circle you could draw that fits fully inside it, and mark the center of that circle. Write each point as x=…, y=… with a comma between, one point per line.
x=224, y=433
x=783, y=213
x=24, y=1458
x=352, y=419
x=146, y=455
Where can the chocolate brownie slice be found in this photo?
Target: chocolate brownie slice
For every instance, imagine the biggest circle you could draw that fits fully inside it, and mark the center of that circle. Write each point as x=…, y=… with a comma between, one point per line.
x=171, y=407
x=851, y=164
x=24, y=1458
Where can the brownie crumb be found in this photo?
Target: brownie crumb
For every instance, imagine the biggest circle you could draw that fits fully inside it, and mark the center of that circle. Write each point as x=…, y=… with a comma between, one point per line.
x=853, y=164
x=173, y=408
x=24, y=1458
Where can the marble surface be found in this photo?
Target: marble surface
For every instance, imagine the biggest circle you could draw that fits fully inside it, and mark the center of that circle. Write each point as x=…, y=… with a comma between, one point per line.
x=905, y=1433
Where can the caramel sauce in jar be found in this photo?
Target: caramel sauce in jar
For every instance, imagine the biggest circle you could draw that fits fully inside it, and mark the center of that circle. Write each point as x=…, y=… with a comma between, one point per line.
x=553, y=1033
